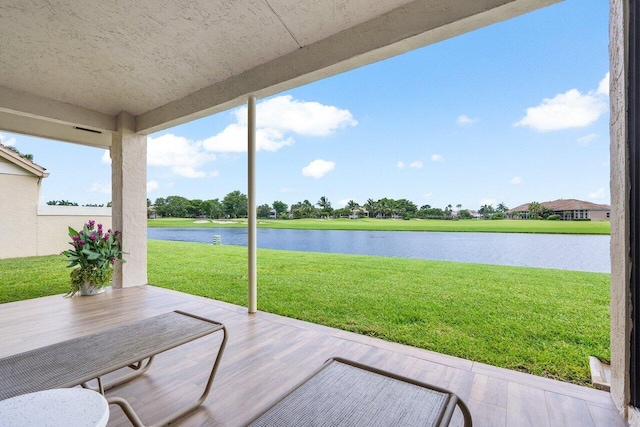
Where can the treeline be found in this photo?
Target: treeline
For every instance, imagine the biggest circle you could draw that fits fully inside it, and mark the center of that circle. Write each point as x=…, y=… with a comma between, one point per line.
x=234, y=205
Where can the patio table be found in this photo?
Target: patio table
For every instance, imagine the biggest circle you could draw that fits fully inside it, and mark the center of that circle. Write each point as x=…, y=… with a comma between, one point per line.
x=66, y=407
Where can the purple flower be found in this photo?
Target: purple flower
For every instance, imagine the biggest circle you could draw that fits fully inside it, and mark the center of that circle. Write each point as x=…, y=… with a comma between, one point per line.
x=117, y=233
x=100, y=228
x=113, y=260
x=91, y=224
x=93, y=236
x=81, y=242
x=75, y=238
x=106, y=236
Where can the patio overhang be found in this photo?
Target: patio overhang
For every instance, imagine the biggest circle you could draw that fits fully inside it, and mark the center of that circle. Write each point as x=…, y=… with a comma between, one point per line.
x=81, y=63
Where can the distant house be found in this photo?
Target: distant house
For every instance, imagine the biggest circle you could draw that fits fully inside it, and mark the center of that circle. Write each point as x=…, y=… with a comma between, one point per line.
x=273, y=214
x=27, y=228
x=20, y=181
x=152, y=212
x=359, y=212
x=474, y=214
x=567, y=209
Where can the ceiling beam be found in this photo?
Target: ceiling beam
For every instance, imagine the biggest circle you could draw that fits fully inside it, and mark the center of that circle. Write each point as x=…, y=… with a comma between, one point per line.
x=38, y=107
x=52, y=130
x=414, y=25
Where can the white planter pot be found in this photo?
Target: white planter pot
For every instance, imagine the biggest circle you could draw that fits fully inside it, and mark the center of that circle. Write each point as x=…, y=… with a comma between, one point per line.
x=90, y=289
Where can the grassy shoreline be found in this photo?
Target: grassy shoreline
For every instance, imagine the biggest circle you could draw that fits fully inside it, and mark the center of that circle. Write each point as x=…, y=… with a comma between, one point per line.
x=474, y=225
x=545, y=322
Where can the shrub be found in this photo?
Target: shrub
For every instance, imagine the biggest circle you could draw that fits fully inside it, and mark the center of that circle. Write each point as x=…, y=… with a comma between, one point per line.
x=553, y=217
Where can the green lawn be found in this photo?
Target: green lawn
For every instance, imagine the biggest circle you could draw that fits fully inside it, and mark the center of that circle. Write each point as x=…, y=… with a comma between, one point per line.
x=498, y=226
x=546, y=322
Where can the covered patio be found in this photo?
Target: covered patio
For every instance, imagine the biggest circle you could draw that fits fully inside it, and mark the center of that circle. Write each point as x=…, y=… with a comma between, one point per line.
x=107, y=74
x=267, y=354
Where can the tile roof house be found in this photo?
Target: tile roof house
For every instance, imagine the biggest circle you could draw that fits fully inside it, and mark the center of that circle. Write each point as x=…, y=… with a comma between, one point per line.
x=567, y=209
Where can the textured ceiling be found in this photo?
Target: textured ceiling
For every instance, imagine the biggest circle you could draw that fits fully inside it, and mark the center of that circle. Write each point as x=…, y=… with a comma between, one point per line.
x=134, y=56
x=68, y=67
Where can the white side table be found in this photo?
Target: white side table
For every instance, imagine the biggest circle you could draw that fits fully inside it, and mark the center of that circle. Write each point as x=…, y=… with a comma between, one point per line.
x=67, y=407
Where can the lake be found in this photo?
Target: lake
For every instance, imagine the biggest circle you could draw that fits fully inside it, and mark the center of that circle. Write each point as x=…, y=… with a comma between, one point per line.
x=561, y=251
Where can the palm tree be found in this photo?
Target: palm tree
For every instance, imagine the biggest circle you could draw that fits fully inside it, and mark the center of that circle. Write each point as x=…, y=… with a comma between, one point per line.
x=486, y=211
x=371, y=206
x=394, y=207
x=535, y=209
x=352, y=206
x=448, y=213
x=306, y=209
x=459, y=206
x=325, y=205
x=386, y=206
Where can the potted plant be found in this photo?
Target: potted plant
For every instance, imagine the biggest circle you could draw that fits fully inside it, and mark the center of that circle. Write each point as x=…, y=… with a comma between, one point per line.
x=93, y=255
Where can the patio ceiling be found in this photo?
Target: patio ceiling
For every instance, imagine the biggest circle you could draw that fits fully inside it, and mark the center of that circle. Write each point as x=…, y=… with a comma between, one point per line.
x=78, y=63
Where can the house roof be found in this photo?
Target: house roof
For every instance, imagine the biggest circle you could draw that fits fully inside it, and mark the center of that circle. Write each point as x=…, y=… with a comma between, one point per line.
x=566, y=205
x=75, y=66
x=22, y=162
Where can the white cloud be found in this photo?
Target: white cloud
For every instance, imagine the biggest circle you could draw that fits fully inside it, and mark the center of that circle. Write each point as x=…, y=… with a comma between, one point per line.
x=427, y=196
x=275, y=118
x=488, y=202
x=516, y=180
x=181, y=155
x=598, y=194
x=106, y=157
x=571, y=109
x=152, y=186
x=99, y=187
x=287, y=190
x=437, y=158
x=400, y=165
x=416, y=165
x=7, y=140
x=318, y=168
x=464, y=120
x=233, y=139
x=304, y=118
x=586, y=140
x=342, y=203
x=603, y=87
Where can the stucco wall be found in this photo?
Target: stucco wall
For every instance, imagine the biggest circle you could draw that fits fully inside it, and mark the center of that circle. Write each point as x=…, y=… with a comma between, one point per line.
x=620, y=262
x=27, y=229
x=18, y=220
x=53, y=223
x=598, y=215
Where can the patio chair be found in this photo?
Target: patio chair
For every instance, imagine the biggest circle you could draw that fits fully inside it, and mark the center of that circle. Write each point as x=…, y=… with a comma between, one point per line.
x=346, y=393
x=80, y=360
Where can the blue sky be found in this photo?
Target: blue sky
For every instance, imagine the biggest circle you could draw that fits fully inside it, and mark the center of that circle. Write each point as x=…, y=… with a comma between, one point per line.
x=511, y=113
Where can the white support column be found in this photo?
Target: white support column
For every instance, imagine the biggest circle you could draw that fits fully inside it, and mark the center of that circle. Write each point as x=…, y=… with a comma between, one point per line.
x=129, y=200
x=252, y=212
